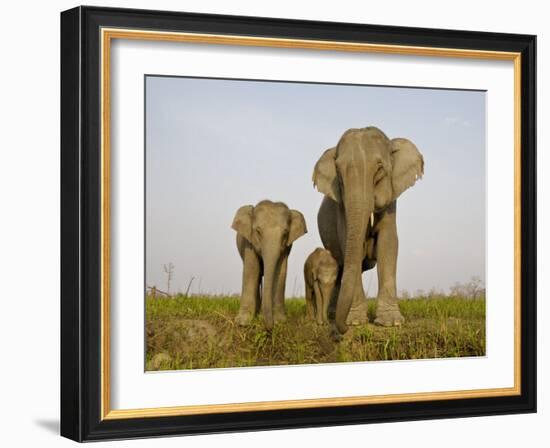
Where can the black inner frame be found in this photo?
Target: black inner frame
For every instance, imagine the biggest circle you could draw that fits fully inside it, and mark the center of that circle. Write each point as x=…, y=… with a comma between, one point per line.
x=80, y=224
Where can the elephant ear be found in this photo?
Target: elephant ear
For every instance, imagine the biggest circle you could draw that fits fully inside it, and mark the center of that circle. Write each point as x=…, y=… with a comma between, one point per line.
x=242, y=222
x=407, y=165
x=325, y=177
x=297, y=226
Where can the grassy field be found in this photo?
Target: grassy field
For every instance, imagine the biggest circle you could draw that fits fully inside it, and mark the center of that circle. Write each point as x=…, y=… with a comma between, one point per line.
x=199, y=332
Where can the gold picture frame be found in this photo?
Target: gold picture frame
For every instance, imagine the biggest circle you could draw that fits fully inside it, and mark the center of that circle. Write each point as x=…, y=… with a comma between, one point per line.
x=108, y=30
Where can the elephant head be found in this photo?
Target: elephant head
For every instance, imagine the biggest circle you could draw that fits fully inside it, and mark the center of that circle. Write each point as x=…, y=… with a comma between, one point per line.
x=271, y=228
x=364, y=173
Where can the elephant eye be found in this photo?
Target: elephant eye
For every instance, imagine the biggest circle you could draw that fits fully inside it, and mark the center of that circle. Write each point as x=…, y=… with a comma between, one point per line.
x=379, y=175
x=259, y=231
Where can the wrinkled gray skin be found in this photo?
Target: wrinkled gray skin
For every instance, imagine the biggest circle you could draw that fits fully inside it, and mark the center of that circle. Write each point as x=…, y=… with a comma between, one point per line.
x=265, y=234
x=361, y=179
x=320, y=273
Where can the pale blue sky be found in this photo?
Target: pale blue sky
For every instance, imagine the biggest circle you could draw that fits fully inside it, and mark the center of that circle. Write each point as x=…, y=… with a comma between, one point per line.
x=214, y=145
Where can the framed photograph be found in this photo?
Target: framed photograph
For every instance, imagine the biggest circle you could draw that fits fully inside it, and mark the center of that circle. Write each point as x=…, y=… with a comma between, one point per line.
x=273, y=223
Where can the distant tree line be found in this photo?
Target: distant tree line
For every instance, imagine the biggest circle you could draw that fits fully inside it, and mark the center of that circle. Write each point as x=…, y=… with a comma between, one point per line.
x=473, y=289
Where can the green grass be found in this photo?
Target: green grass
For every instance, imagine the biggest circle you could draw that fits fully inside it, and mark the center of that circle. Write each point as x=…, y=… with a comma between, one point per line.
x=200, y=332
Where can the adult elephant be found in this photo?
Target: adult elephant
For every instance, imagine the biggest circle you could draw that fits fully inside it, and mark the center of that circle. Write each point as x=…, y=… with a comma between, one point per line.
x=361, y=179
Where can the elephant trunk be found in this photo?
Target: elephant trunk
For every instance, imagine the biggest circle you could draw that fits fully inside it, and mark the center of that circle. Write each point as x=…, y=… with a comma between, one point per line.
x=318, y=302
x=271, y=274
x=326, y=293
x=357, y=213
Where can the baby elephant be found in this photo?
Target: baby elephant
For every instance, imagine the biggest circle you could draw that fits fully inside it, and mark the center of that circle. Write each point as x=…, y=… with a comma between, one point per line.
x=265, y=234
x=320, y=273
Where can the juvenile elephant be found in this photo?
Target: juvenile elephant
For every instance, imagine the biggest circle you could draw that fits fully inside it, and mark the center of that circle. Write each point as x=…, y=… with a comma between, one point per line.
x=361, y=179
x=320, y=274
x=265, y=234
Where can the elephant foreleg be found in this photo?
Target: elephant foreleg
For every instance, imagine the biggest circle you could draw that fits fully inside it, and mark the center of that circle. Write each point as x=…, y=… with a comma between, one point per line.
x=310, y=308
x=387, y=309
x=334, y=299
x=358, y=311
x=250, y=296
x=279, y=298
